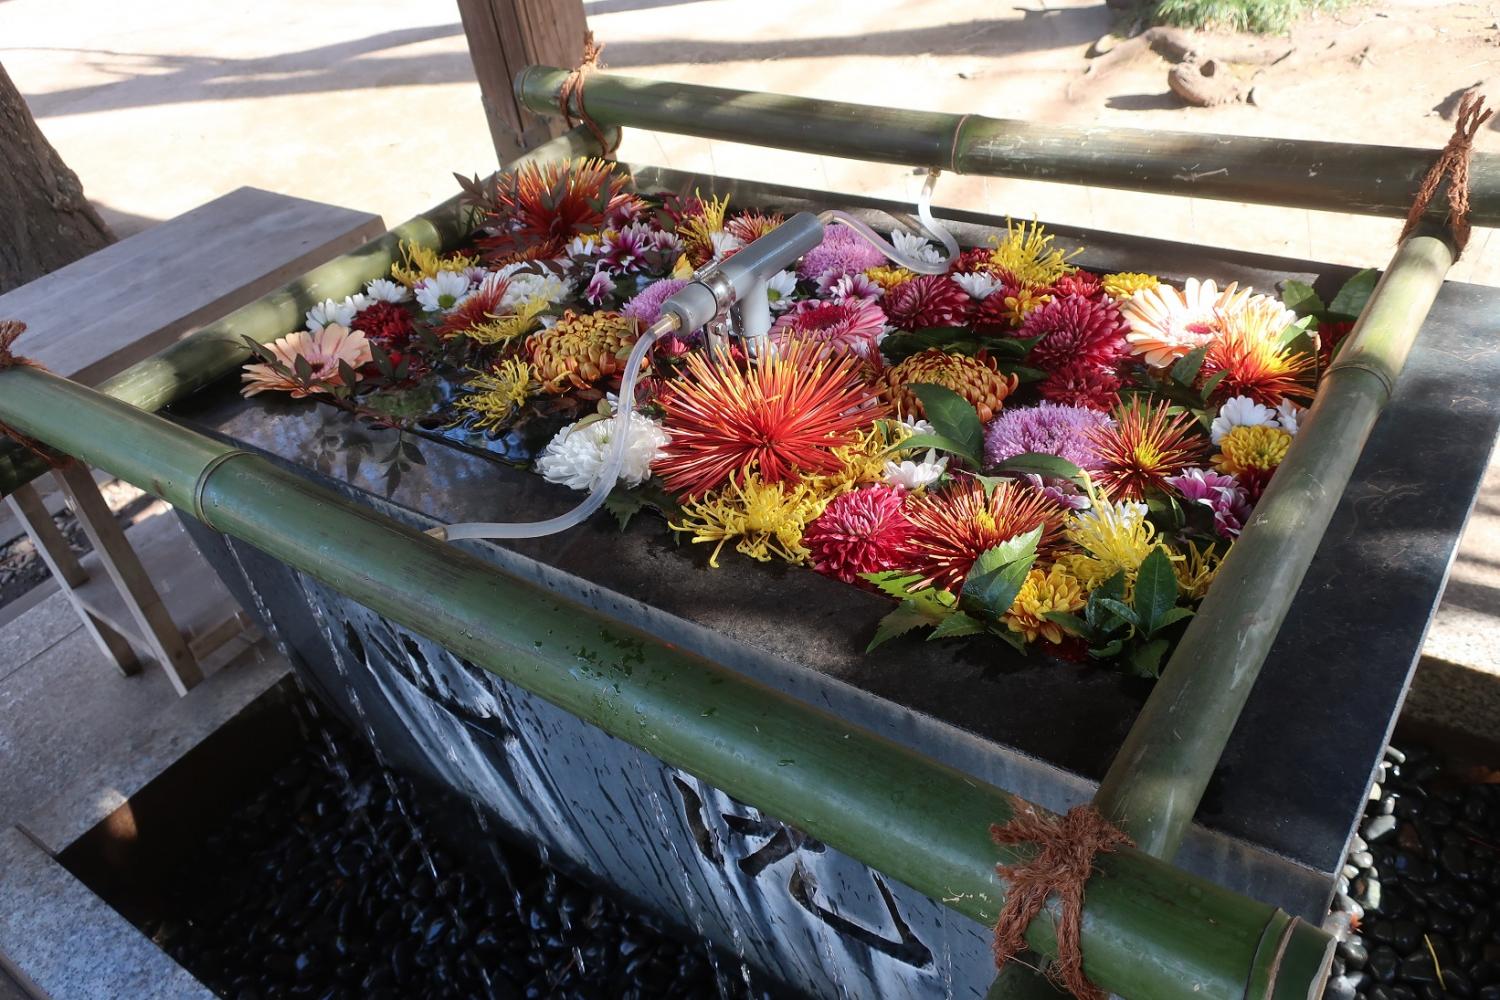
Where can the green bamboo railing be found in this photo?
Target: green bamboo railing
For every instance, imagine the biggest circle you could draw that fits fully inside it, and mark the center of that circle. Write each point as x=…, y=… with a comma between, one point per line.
x=216, y=350
x=1150, y=931
x=1297, y=173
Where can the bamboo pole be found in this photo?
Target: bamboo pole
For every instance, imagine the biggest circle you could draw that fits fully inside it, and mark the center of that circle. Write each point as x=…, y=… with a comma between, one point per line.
x=1326, y=176
x=1150, y=931
x=218, y=349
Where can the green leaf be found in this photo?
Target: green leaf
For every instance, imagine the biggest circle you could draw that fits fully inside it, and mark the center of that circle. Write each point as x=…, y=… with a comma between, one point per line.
x=1155, y=590
x=1185, y=371
x=1145, y=659
x=1021, y=372
x=1040, y=464
x=1351, y=299
x=956, y=624
x=1173, y=616
x=1070, y=622
x=893, y=582
x=624, y=504
x=412, y=452
x=303, y=368
x=1292, y=331
x=1014, y=639
x=919, y=441
x=996, y=576
x=952, y=417
x=1120, y=610
x=1299, y=297
x=898, y=622
x=1109, y=649
x=1212, y=384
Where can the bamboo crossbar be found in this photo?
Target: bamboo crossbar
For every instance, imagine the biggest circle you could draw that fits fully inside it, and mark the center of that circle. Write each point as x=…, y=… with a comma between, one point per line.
x=1150, y=931
x=1296, y=173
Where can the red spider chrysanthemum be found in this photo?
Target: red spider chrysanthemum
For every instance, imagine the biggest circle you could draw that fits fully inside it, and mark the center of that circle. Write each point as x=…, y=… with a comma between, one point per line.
x=953, y=527
x=863, y=531
x=1084, y=283
x=384, y=323
x=1254, y=366
x=1082, y=384
x=547, y=204
x=1073, y=328
x=973, y=259
x=927, y=300
x=479, y=308
x=781, y=417
x=1144, y=446
x=747, y=227
x=849, y=327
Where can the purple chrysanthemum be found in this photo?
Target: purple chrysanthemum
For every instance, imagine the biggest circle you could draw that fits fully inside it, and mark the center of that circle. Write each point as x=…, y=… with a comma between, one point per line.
x=1220, y=492
x=1048, y=429
x=842, y=252
x=646, y=306
x=625, y=250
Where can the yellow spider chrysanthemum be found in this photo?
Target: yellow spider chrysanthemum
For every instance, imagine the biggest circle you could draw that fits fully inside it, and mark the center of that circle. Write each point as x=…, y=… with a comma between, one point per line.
x=863, y=460
x=697, y=229
x=424, y=262
x=1028, y=256
x=767, y=519
x=1022, y=302
x=683, y=269
x=499, y=329
x=889, y=277
x=1126, y=283
x=1195, y=571
x=1116, y=538
x=1252, y=448
x=495, y=396
x=1054, y=590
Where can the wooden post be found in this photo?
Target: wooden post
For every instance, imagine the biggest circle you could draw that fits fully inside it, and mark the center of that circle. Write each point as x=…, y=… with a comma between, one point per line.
x=506, y=36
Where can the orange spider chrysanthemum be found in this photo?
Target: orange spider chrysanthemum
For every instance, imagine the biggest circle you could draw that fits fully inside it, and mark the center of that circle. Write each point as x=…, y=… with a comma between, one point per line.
x=782, y=417
x=955, y=526
x=748, y=227
x=1143, y=446
x=544, y=205
x=482, y=307
x=1253, y=364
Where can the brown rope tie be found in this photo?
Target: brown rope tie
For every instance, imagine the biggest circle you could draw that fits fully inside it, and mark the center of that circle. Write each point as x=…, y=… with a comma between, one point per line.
x=10, y=329
x=1452, y=163
x=1062, y=866
x=570, y=94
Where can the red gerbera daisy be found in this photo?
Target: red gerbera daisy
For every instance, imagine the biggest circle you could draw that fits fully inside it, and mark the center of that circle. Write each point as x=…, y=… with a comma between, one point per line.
x=385, y=323
x=955, y=526
x=781, y=416
x=1144, y=446
x=547, y=204
x=863, y=531
x=1082, y=384
x=1073, y=328
x=927, y=300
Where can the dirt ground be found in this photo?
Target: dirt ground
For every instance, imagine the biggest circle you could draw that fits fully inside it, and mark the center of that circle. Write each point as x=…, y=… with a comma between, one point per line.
x=160, y=107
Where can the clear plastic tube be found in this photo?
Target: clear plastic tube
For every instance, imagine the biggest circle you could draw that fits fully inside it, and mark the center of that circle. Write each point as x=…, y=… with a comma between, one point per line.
x=608, y=474
x=933, y=228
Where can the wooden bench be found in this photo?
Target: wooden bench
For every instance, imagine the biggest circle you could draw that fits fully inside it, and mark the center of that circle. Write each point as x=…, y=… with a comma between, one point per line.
x=101, y=314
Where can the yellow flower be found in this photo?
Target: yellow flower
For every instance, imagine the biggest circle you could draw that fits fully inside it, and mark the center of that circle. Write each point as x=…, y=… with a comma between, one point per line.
x=698, y=228
x=1027, y=255
x=424, y=262
x=495, y=395
x=1195, y=571
x=767, y=519
x=498, y=329
x=863, y=461
x=889, y=277
x=1252, y=448
x=1126, y=283
x=683, y=269
x=1023, y=302
x=1116, y=537
x=1054, y=590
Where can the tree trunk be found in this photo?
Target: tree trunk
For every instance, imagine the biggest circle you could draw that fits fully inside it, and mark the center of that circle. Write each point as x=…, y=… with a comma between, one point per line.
x=45, y=221
x=506, y=36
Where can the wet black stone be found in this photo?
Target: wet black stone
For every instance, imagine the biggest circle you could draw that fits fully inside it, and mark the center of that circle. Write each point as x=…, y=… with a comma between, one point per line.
x=308, y=963
x=1489, y=992
x=1405, y=936
x=1456, y=982
x=1353, y=952
x=1383, y=963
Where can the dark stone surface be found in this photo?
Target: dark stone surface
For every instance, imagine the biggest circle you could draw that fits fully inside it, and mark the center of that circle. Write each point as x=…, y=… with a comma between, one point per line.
x=1294, y=777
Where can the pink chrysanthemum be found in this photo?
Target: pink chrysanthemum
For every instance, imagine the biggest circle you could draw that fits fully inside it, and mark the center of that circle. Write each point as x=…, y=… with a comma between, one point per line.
x=1082, y=384
x=1073, y=328
x=1220, y=492
x=1048, y=429
x=850, y=327
x=863, y=531
x=973, y=259
x=646, y=306
x=1083, y=283
x=928, y=300
x=842, y=252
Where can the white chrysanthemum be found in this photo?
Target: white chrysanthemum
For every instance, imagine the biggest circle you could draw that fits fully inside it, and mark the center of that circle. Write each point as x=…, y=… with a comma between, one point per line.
x=443, y=292
x=979, y=284
x=583, y=246
x=723, y=243
x=909, y=245
x=1241, y=411
x=1289, y=415
x=342, y=313
x=576, y=456
x=918, y=426
x=385, y=290
x=780, y=288
x=527, y=286
x=913, y=475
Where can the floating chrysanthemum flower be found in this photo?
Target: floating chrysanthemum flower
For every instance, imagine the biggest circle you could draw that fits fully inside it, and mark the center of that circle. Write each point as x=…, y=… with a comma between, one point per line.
x=545, y=205
x=861, y=463
x=478, y=308
x=1196, y=570
x=926, y=300
x=862, y=531
x=1252, y=364
x=443, y=291
x=699, y=224
x=1078, y=283
x=913, y=474
x=600, y=286
x=954, y=526
x=1028, y=256
x=331, y=311
x=1330, y=335
x=1250, y=450
x=385, y=323
x=577, y=455
x=526, y=286
x=767, y=519
x=628, y=250
x=780, y=288
x=1220, y=493
x=781, y=417
x=384, y=290
x=1041, y=594
x=854, y=286
x=1142, y=447
x=1115, y=538
x=646, y=306
x=842, y=251
x=1008, y=308
x=419, y=262
x=972, y=261
x=1124, y=284
x=852, y=327
x=580, y=350
x=887, y=278
x=979, y=285
x=915, y=247
x=492, y=398
x=1047, y=429
x=976, y=379
x=1082, y=384
x=747, y=227
x=1289, y=416
x=1240, y=411
x=323, y=349
x=1073, y=328
x=1166, y=323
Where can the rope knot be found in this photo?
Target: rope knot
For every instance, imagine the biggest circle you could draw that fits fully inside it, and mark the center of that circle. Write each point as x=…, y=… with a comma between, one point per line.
x=10, y=329
x=1452, y=163
x=570, y=94
x=1063, y=865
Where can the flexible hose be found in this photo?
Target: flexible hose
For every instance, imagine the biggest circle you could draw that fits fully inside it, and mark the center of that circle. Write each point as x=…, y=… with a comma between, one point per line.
x=932, y=227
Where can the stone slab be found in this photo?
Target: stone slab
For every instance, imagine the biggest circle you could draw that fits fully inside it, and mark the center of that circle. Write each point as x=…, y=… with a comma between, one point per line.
x=35, y=631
